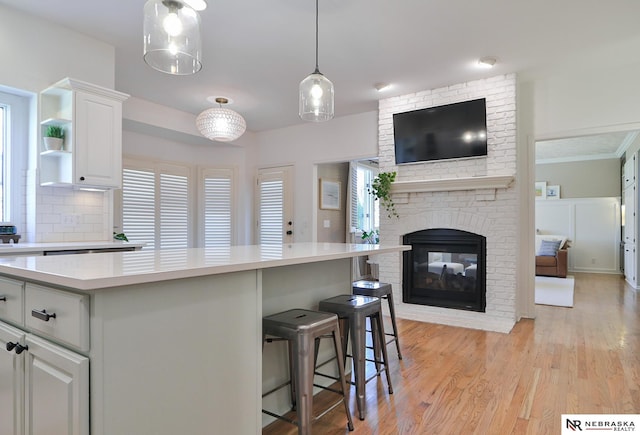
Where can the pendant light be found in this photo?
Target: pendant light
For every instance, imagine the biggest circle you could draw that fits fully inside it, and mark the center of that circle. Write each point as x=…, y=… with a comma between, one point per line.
x=219, y=123
x=316, y=92
x=172, y=36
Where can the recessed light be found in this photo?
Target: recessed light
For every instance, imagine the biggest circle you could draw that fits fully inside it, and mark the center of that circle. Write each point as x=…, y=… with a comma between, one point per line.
x=487, y=62
x=382, y=86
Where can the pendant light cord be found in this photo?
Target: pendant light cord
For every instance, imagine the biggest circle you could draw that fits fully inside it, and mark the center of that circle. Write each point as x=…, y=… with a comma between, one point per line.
x=317, y=70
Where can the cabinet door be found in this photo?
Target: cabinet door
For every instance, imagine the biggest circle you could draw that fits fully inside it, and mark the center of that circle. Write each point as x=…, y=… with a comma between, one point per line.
x=57, y=390
x=630, y=215
x=11, y=382
x=629, y=264
x=98, y=141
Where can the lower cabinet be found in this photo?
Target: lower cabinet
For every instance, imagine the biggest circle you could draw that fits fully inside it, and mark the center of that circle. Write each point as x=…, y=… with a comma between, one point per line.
x=44, y=388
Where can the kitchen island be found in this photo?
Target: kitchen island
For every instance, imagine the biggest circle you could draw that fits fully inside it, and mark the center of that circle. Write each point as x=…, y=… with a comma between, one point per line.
x=172, y=337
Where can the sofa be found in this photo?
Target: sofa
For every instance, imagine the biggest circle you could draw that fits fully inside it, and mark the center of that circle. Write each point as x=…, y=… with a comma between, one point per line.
x=552, y=255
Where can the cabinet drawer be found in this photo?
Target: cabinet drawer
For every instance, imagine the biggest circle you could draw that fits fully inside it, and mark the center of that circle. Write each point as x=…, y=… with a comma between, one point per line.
x=58, y=314
x=11, y=300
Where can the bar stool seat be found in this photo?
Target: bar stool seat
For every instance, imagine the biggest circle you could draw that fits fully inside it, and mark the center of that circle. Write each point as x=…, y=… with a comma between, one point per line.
x=302, y=329
x=381, y=290
x=353, y=311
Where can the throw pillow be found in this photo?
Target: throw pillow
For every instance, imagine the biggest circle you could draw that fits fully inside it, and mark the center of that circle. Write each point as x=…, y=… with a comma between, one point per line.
x=549, y=248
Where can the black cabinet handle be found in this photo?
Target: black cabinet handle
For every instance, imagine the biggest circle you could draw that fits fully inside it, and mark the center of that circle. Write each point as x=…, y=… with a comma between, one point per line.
x=20, y=348
x=43, y=315
x=11, y=345
x=81, y=178
x=3, y=298
x=289, y=232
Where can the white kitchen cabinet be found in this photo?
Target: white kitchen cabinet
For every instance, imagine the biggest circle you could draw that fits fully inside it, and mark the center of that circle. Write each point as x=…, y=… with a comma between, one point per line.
x=91, y=117
x=11, y=382
x=56, y=389
x=44, y=387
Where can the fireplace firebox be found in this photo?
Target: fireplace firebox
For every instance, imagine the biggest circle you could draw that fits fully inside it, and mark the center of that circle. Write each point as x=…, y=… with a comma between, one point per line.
x=445, y=268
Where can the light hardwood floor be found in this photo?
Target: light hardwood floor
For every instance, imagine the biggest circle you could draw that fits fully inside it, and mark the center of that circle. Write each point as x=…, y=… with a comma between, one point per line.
x=452, y=380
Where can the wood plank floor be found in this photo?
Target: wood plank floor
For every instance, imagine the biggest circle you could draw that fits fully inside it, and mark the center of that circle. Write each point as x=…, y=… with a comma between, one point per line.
x=452, y=380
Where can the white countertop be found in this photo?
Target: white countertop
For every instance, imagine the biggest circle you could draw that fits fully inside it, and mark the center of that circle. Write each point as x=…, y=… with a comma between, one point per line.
x=35, y=248
x=104, y=270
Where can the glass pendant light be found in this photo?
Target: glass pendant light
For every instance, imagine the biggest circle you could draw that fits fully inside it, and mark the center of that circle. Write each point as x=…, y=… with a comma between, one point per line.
x=219, y=123
x=316, y=92
x=172, y=37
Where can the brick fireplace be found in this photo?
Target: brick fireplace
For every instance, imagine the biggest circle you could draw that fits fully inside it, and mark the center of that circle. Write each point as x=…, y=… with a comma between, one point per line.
x=475, y=195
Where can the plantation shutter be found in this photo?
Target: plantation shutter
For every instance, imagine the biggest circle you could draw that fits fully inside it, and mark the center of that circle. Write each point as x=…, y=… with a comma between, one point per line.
x=174, y=211
x=352, y=218
x=218, y=203
x=271, y=211
x=138, y=206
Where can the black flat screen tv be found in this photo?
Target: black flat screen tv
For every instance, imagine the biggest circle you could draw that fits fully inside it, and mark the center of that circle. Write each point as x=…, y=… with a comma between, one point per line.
x=452, y=131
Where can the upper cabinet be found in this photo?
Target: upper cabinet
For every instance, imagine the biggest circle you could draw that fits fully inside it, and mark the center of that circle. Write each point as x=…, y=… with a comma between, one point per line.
x=90, y=117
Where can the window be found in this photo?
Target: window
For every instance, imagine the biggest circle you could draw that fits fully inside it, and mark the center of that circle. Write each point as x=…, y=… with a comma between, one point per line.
x=3, y=147
x=139, y=206
x=217, y=204
x=159, y=202
x=365, y=214
x=14, y=142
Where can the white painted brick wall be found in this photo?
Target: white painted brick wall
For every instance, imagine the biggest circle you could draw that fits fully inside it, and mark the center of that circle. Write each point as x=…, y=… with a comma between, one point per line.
x=488, y=212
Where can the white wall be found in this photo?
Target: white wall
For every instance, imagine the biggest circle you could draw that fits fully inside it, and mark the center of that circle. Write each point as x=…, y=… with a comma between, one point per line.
x=303, y=146
x=35, y=54
x=593, y=227
x=595, y=90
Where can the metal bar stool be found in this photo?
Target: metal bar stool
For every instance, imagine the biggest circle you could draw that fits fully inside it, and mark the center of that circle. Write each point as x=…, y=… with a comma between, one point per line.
x=381, y=290
x=353, y=311
x=302, y=329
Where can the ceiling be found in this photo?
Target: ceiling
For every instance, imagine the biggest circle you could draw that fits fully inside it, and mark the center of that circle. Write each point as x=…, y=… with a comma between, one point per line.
x=257, y=51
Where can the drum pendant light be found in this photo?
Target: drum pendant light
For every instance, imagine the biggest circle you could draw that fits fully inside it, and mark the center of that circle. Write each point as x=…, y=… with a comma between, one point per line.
x=316, y=92
x=172, y=37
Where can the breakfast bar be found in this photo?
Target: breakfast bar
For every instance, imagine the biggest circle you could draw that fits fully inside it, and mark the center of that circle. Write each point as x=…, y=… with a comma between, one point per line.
x=158, y=341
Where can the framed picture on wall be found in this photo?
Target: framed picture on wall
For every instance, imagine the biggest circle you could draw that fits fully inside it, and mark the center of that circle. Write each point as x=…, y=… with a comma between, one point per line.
x=329, y=194
x=553, y=192
x=541, y=189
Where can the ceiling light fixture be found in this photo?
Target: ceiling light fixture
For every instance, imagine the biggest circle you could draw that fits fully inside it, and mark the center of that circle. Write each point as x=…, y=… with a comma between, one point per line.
x=219, y=123
x=172, y=36
x=487, y=62
x=316, y=92
x=381, y=86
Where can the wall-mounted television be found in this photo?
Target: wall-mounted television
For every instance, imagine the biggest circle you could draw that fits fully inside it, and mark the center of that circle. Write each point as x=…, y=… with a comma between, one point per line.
x=451, y=131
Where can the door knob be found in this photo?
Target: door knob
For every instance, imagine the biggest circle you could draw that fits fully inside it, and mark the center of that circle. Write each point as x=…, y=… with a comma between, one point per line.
x=289, y=232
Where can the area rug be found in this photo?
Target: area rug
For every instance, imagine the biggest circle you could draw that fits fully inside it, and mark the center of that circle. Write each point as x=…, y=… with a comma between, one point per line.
x=554, y=291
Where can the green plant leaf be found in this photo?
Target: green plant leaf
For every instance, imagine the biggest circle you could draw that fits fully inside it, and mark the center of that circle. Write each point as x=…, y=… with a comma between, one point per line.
x=381, y=189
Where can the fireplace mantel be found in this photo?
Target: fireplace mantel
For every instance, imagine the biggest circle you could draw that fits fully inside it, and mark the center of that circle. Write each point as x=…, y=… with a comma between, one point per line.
x=449, y=184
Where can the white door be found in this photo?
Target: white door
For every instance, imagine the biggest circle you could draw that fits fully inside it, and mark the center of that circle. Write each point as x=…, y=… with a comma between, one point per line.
x=11, y=381
x=57, y=390
x=274, y=207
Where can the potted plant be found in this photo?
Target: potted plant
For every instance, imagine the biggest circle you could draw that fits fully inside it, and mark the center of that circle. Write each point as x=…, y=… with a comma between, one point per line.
x=372, y=237
x=53, y=137
x=381, y=189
